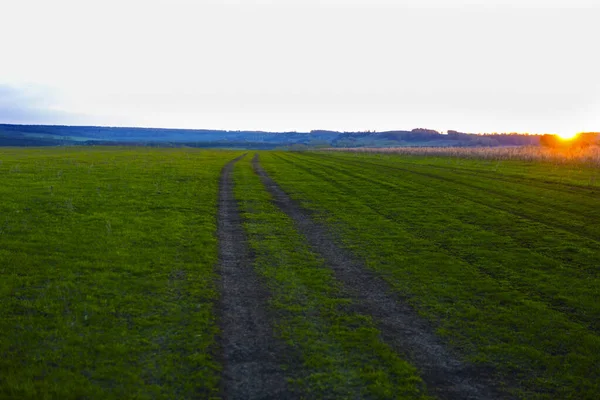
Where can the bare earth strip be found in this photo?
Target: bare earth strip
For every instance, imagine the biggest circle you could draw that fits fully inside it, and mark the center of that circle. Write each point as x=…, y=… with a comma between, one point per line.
x=401, y=327
x=250, y=351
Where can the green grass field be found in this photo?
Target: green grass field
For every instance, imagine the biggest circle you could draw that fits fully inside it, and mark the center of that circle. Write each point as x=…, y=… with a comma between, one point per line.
x=110, y=271
x=108, y=285
x=503, y=260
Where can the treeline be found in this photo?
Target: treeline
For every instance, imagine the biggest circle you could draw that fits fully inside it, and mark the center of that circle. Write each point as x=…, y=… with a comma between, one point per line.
x=432, y=137
x=495, y=139
x=56, y=135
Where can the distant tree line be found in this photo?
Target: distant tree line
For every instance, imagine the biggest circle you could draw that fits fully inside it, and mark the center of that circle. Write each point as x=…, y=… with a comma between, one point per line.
x=57, y=135
x=429, y=137
x=496, y=139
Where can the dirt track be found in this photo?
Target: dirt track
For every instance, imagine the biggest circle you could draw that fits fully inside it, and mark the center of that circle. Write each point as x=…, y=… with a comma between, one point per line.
x=401, y=327
x=250, y=352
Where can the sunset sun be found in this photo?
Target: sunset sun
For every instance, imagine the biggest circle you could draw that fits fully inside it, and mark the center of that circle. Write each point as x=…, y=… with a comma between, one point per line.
x=567, y=135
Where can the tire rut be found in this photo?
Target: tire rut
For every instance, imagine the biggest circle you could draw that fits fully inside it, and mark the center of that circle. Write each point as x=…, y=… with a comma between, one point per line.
x=401, y=327
x=251, y=354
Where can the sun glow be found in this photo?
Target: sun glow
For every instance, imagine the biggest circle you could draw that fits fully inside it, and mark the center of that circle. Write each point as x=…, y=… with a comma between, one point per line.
x=567, y=135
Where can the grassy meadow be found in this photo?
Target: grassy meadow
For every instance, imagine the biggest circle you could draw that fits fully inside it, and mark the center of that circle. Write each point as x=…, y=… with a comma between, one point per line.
x=107, y=260
x=502, y=259
x=109, y=265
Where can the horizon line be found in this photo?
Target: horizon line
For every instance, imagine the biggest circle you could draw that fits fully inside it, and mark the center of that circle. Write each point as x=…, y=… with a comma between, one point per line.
x=442, y=132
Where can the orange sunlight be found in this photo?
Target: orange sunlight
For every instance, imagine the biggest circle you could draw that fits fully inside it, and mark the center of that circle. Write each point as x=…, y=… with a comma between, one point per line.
x=567, y=135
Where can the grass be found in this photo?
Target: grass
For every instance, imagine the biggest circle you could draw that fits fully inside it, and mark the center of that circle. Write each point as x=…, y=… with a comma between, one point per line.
x=506, y=270
x=537, y=172
x=108, y=255
x=108, y=286
x=339, y=351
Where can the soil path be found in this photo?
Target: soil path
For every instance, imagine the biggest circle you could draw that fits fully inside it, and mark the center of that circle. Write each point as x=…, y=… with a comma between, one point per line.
x=401, y=327
x=250, y=352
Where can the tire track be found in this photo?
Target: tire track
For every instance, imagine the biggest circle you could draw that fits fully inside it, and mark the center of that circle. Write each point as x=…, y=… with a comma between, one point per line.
x=548, y=300
x=576, y=237
x=401, y=327
x=250, y=351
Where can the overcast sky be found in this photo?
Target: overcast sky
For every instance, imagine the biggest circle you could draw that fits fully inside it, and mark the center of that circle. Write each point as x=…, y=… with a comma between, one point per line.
x=474, y=66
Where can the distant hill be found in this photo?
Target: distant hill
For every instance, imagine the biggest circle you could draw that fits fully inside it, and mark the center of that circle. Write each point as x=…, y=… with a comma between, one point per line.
x=58, y=135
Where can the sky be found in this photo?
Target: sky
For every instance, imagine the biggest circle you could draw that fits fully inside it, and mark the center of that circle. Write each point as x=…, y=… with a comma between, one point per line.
x=289, y=65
